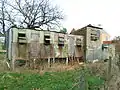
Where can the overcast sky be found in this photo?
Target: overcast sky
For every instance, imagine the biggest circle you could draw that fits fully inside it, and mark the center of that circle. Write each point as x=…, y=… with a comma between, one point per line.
x=82, y=12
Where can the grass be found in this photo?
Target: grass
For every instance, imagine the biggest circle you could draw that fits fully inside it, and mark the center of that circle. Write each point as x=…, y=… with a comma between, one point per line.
x=65, y=80
x=48, y=81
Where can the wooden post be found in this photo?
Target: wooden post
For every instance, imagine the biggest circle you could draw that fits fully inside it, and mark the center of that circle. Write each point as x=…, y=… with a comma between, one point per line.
x=53, y=60
x=108, y=73
x=78, y=60
x=119, y=62
x=67, y=61
x=109, y=67
x=83, y=81
x=49, y=62
x=34, y=63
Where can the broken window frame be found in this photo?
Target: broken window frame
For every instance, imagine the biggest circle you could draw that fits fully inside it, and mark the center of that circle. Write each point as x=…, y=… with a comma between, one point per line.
x=78, y=42
x=61, y=41
x=94, y=37
x=22, y=38
x=47, y=39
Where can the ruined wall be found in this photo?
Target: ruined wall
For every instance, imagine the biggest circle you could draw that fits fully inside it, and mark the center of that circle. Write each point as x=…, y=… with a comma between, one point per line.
x=75, y=45
x=93, y=37
x=71, y=47
x=32, y=44
x=61, y=45
x=19, y=43
x=93, y=44
x=36, y=46
x=82, y=32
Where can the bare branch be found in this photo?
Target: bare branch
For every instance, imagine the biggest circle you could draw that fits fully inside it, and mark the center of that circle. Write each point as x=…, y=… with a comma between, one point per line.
x=32, y=13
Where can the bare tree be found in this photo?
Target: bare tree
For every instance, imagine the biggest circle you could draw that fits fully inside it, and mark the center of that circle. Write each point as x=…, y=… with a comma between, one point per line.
x=5, y=18
x=28, y=14
x=2, y=21
x=33, y=13
x=2, y=18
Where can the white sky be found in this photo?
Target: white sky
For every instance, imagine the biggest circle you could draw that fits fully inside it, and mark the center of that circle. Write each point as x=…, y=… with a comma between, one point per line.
x=79, y=13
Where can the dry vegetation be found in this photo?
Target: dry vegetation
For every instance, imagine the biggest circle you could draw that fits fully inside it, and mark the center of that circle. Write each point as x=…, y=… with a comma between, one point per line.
x=98, y=69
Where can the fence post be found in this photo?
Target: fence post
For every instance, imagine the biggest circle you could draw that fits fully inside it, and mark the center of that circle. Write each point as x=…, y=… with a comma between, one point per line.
x=119, y=62
x=83, y=81
x=109, y=67
x=108, y=73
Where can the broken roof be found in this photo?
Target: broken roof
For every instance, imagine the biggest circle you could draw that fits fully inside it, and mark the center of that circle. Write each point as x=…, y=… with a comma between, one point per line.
x=93, y=26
